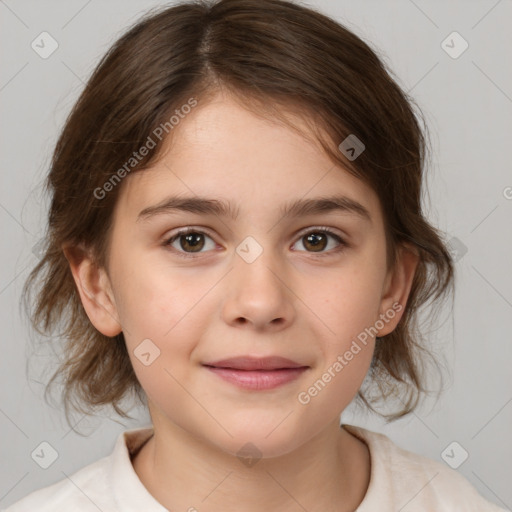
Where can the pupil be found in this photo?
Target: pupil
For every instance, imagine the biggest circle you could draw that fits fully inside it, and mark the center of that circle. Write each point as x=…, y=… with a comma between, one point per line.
x=193, y=239
x=314, y=239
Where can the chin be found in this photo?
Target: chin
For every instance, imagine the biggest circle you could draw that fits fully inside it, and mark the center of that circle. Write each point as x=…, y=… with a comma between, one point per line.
x=259, y=439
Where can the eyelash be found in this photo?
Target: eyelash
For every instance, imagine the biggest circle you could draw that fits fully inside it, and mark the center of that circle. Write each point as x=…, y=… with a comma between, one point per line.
x=169, y=241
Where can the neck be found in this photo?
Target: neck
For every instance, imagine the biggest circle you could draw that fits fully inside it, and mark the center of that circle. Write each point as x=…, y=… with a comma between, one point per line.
x=183, y=472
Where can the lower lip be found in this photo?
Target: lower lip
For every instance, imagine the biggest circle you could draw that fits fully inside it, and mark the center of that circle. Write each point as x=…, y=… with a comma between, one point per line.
x=258, y=379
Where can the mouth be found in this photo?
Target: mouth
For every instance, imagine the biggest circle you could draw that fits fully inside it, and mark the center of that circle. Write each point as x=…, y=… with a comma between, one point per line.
x=257, y=373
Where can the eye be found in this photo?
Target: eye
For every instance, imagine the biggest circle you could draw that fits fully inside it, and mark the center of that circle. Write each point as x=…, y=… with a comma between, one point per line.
x=317, y=239
x=190, y=241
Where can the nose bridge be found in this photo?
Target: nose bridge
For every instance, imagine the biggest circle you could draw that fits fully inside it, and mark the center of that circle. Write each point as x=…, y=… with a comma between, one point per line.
x=256, y=266
x=257, y=289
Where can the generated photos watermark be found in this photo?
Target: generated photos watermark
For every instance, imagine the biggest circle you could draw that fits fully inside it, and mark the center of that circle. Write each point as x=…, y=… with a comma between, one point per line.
x=304, y=397
x=158, y=133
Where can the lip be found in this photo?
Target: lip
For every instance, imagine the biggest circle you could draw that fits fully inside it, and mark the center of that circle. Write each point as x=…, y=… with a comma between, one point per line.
x=257, y=374
x=255, y=363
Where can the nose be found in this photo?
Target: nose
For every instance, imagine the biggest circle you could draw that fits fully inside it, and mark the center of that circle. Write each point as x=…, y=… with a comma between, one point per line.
x=259, y=295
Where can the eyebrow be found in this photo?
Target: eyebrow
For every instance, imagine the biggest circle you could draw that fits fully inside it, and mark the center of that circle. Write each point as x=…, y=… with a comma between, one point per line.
x=300, y=207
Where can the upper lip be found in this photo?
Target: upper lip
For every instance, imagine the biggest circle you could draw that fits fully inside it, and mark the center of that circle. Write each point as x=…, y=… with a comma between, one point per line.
x=255, y=363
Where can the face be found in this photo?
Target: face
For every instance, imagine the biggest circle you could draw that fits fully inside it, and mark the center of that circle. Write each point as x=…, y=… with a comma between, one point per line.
x=249, y=282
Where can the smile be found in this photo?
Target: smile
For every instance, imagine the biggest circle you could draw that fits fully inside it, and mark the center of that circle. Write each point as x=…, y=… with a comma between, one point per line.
x=258, y=379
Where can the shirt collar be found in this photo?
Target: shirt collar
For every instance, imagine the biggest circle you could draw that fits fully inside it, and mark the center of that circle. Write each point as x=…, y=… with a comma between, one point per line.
x=379, y=495
x=131, y=495
x=128, y=491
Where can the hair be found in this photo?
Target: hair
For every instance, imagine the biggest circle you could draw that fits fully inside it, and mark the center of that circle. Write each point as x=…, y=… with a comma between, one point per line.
x=276, y=58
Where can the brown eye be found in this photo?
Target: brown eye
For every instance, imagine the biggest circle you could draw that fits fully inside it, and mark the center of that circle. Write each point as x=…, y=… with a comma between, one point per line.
x=193, y=241
x=317, y=241
x=187, y=242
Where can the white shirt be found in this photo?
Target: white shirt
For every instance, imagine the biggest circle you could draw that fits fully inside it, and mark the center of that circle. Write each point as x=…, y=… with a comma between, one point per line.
x=399, y=480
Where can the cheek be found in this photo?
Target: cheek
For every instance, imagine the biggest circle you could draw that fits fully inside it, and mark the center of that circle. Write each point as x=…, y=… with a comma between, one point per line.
x=168, y=308
x=347, y=302
x=340, y=373
x=348, y=305
x=335, y=383
x=154, y=300
x=162, y=331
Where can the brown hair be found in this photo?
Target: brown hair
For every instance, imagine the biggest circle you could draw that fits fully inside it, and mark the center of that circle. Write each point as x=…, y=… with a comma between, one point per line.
x=273, y=56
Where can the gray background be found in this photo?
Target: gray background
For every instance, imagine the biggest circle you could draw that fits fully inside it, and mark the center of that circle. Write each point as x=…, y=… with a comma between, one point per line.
x=468, y=105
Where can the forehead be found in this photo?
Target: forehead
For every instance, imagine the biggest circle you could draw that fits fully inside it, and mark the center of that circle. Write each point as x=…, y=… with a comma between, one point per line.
x=222, y=150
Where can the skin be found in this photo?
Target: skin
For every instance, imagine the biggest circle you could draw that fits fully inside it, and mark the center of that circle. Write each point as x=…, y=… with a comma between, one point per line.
x=288, y=302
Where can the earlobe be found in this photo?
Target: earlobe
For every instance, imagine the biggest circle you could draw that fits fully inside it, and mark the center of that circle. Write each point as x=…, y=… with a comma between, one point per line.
x=397, y=287
x=95, y=291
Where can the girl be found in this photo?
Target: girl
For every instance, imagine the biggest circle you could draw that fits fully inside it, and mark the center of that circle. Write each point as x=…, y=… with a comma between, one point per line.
x=236, y=236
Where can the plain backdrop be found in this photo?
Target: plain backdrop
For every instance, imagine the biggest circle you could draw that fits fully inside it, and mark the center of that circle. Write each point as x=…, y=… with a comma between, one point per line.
x=467, y=100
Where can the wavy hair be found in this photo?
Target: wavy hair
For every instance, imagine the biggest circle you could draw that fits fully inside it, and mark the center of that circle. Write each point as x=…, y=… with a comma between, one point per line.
x=275, y=57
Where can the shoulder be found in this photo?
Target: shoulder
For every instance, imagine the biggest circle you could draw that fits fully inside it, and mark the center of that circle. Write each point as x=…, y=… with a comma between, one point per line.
x=414, y=482
x=109, y=484
x=85, y=490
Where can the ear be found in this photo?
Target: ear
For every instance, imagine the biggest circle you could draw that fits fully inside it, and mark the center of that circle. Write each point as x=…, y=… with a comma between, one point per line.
x=397, y=287
x=95, y=291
